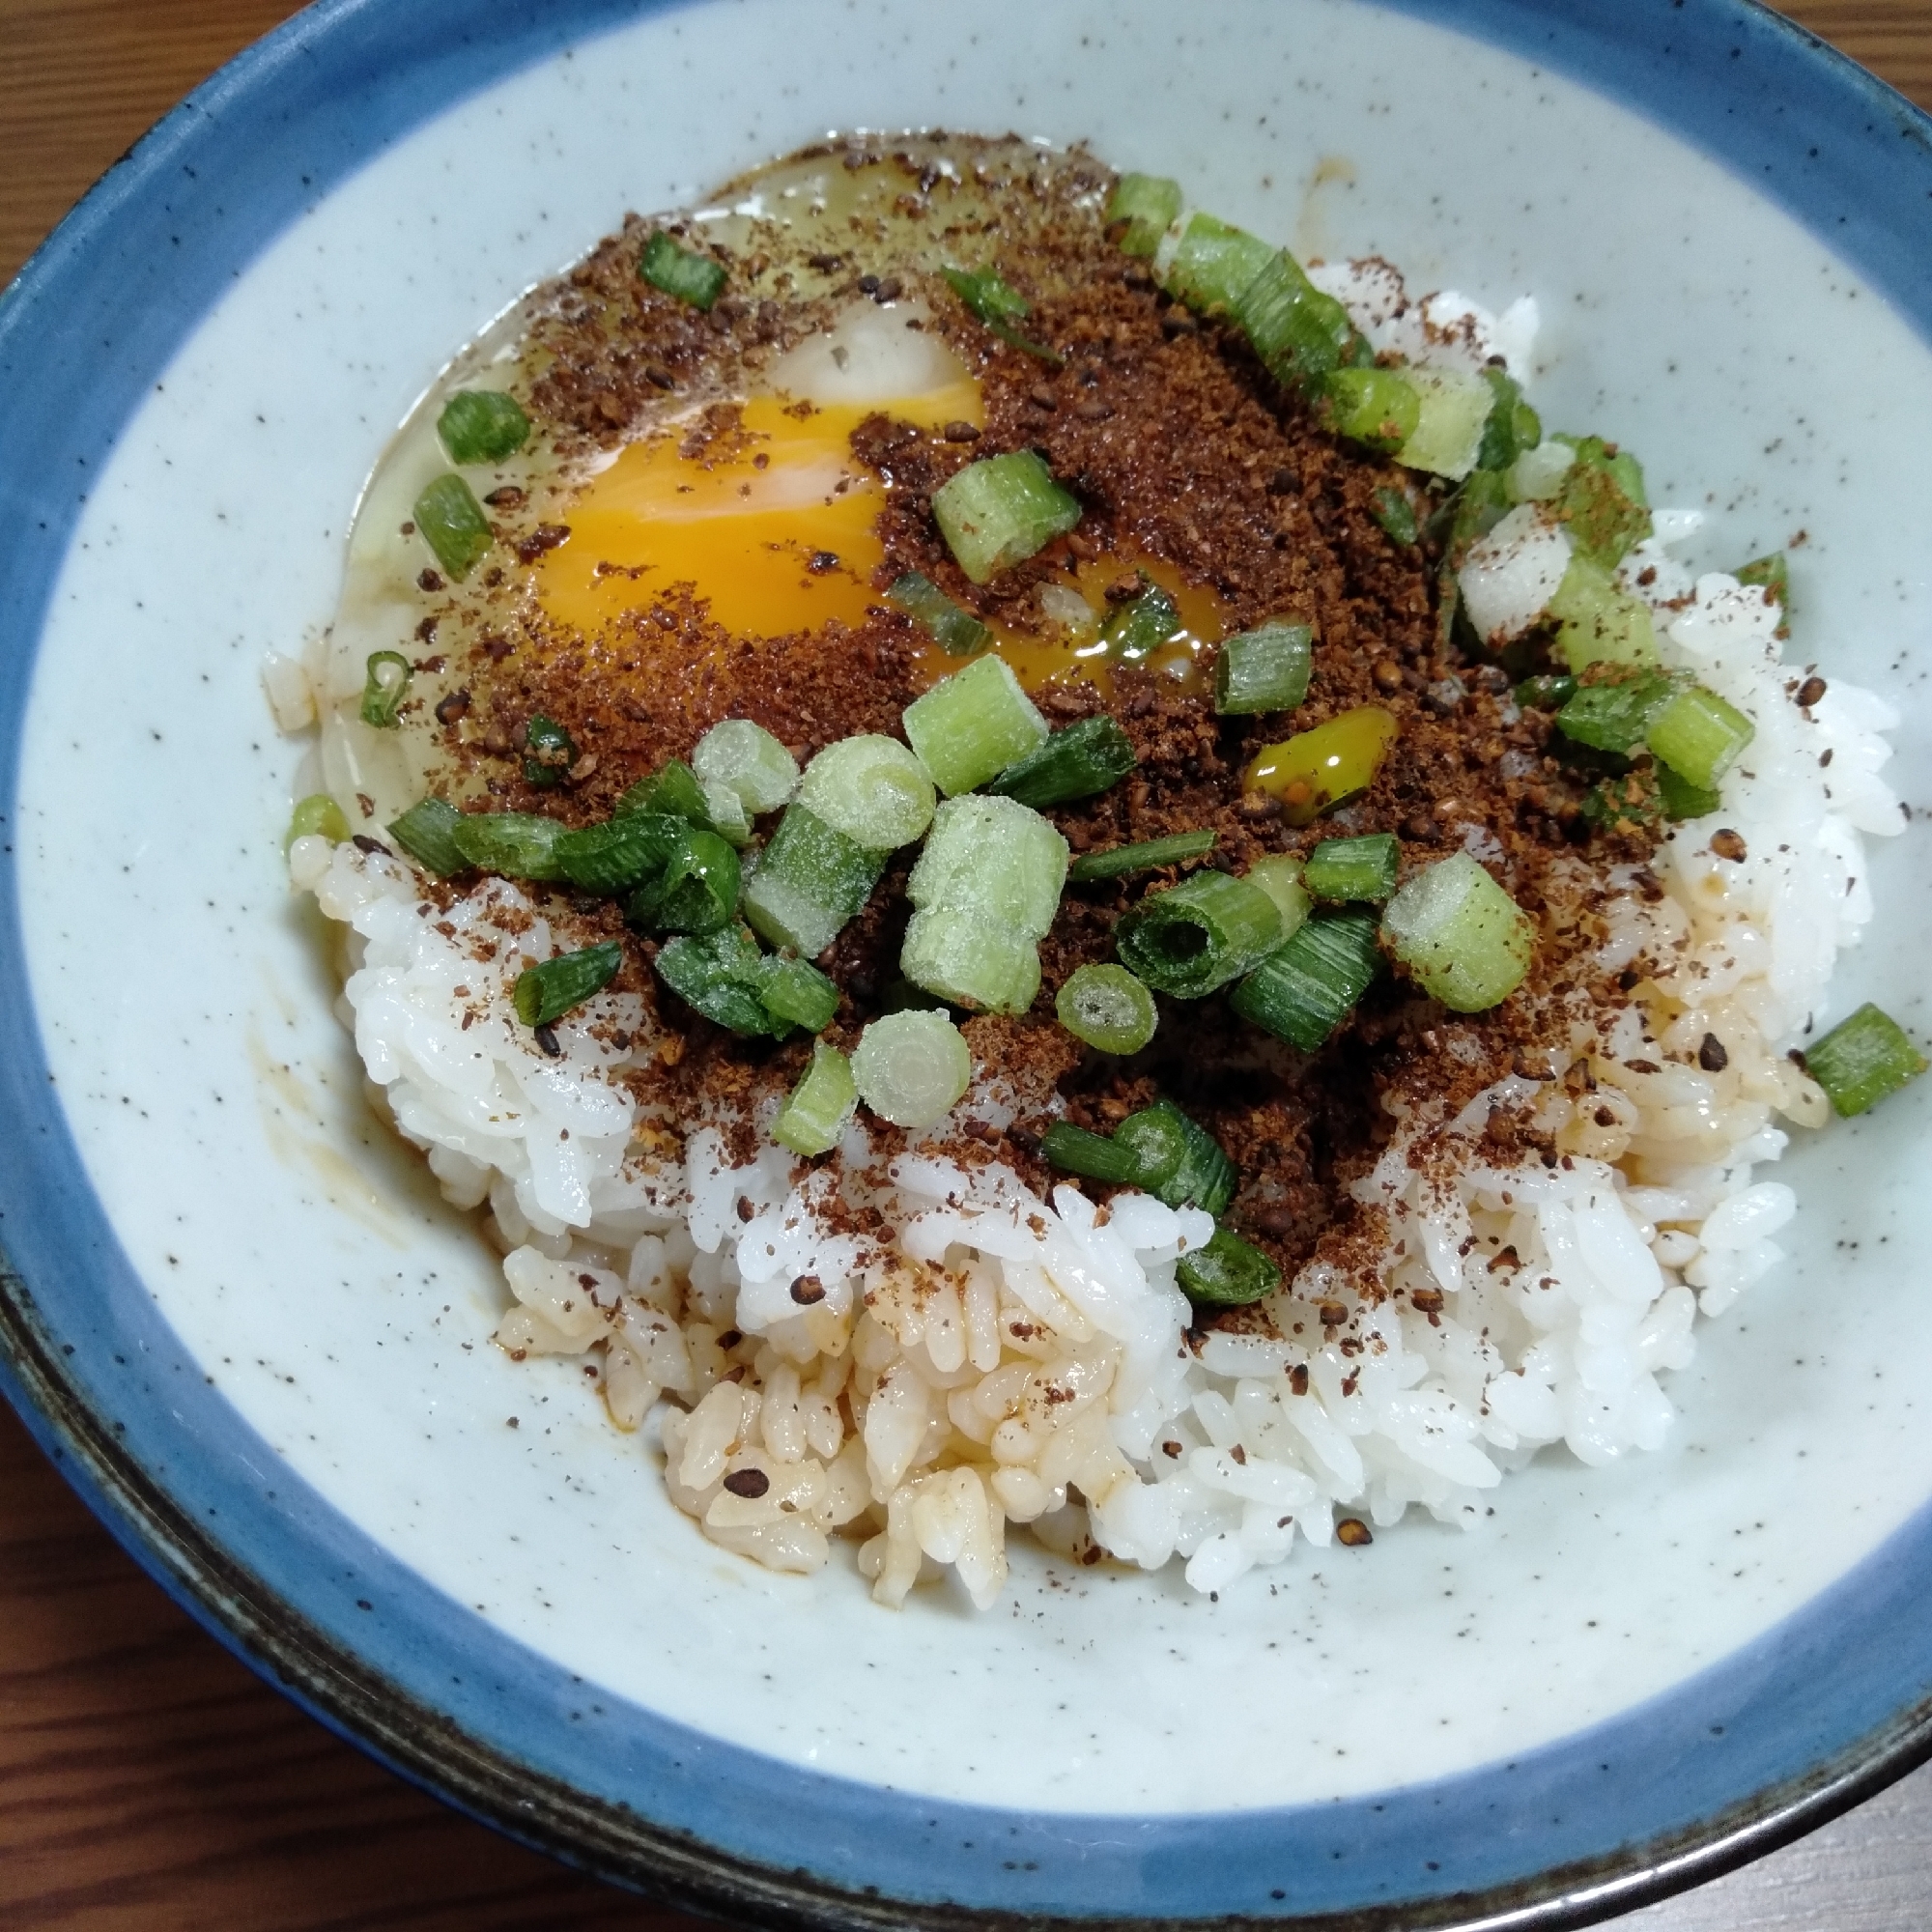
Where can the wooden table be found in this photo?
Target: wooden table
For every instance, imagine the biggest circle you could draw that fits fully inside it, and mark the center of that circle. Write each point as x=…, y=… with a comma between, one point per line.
x=147, y=1780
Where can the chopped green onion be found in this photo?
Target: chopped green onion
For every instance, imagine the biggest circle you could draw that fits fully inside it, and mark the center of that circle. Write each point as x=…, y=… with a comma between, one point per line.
x=1180, y=1162
x=809, y=882
x=548, y=991
x=1216, y=262
x=725, y=813
x=697, y=890
x=1699, y=735
x=747, y=760
x=992, y=861
x=620, y=853
x=1396, y=514
x=1315, y=771
x=1616, y=717
x=813, y=1119
x=1599, y=621
x=1144, y=857
x=426, y=832
x=1862, y=1060
x=1378, y=406
x=482, y=426
x=1299, y=333
x=1279, y=876
x=383, y=688
x=988, y=294
x=549, y=752
x=1513, y=426
x=453, y=524
x=1772, y=574
x=970, y=726
x=980, y=964
x=912, y=1068
x=1264, y=670
x=956, y=632
x=1302, y=991
x=1463, y=938
x=1093, y=1157
x=1602, y=501
x=871, y=788
x=1456, y=406
x=1000, y=511
x=1546, y=693
x=1198, y=935
x=1139, y=628
x=796, y=991
x=673, y=790
x=319, y=816
x=1228, y=1273
x=1353, y=870
x=1149, y=204
x=682, y=273
x=997, y=303
x=516, y=844
x=1106, y=1008
x=1681, y=799
x=721, y=976
x=1082, y=760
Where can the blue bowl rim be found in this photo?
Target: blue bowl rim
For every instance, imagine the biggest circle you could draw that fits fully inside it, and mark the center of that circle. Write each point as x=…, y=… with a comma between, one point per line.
x=353, y=76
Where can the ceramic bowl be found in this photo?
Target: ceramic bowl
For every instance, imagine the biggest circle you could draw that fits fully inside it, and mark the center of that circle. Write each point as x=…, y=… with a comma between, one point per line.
x=259, y=1343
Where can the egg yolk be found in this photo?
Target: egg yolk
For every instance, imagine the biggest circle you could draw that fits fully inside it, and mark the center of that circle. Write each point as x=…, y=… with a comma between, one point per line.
x=772, y=525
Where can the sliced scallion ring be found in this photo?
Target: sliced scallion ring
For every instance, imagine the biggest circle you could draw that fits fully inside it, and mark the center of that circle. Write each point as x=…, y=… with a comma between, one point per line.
x=383, y=688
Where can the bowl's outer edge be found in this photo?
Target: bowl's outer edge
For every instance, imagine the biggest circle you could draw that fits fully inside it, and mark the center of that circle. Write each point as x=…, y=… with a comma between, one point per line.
x=400, y=65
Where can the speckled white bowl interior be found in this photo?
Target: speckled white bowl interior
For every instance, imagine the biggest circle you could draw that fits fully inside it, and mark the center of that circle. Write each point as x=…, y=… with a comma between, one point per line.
x=310, y=1270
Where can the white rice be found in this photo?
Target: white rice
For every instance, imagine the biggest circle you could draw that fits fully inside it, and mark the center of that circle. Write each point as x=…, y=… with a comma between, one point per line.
x=1012, y=1360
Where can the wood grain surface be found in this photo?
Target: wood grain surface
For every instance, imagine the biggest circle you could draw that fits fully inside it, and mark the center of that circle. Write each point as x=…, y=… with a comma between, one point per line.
x=150, y=1782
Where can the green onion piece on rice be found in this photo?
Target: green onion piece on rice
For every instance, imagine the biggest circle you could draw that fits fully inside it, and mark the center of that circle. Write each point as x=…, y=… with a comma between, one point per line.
x=1144, y=857
x=1214, y=263
x=682, y=273
x=747, y=761
x=1181, y=1164
x=1377, y=406
x=549, y=752
x=1699, y=735
x=797, y=992
x=956, y=632
x=1093, y=1157
x=515, y=844
x=319, y=816
x=1264, y=670
x=912, y=1068
x=1139, y=628
x=1228, y=1273
x=1081, y=761
x=547, y=992
x=721, y=976
x=1106, y=1008
x=622, y=853
x=673, y=789
x=1345, y=870
x=1149, y=204
x=813, y=1119
x=870, y=788
x=1279, y=876
x=426, y=832
x=383, y=688
x=697, y=890
x=809, y=882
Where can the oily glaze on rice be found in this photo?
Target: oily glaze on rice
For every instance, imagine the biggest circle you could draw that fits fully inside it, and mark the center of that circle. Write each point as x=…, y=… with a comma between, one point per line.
x=923, y=1338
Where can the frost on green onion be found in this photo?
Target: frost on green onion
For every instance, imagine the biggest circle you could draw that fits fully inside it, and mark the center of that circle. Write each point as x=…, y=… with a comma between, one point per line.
x=1463, y=938
x=725, y=813
x=970, y=726
x=999, y=511
x=984, y=892
x=514, y=845
x=1862, y=1060
x=870, y=788
x=912, y=1068
x=809, y=882
x=1279, y=876
x=813, y=1119
x=747, y=761
x=1107, y=1008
